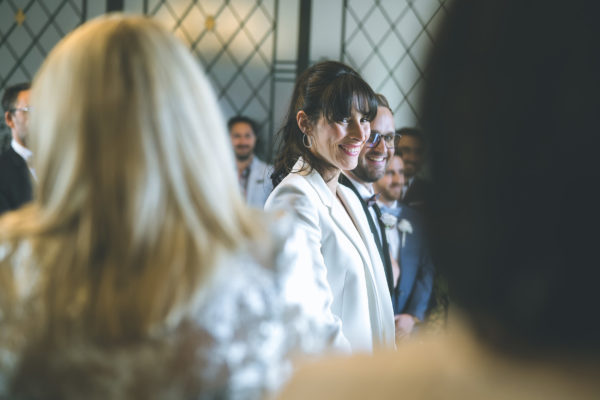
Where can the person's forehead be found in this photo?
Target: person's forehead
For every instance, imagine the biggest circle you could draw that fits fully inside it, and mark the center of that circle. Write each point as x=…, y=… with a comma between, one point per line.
x=241, y=127
x=410, y=141
x=384, y=120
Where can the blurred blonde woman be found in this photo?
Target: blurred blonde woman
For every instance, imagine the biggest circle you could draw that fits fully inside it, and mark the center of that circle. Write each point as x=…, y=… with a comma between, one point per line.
x=137, y=271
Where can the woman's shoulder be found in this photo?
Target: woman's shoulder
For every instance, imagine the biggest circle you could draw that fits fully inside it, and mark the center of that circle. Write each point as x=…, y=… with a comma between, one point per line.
x=261, y=263
x=294, y=182
x=253, y=316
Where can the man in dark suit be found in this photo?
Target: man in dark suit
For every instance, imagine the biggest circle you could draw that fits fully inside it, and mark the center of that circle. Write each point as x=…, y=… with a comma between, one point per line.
x=411, y=147
x=15, y=175
x=413, y=268
x=372, y=162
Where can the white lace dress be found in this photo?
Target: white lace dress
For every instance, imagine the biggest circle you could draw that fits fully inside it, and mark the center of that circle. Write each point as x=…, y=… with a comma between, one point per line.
x=261, y=313
x=261, y=318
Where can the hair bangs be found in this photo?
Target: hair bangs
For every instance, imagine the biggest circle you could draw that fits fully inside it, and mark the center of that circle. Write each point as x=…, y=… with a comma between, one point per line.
x=346, y=92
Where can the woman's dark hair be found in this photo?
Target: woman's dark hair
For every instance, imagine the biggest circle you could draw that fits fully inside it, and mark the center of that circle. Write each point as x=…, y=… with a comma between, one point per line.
x=329, y=89
x=511, y=110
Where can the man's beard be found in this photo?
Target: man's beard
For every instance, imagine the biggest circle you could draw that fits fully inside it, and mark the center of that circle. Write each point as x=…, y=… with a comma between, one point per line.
x=369, y=175
x=243, y=156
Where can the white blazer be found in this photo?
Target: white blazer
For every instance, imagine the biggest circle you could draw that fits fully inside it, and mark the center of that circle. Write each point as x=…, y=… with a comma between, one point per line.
x=345, y=258
x=259, y=183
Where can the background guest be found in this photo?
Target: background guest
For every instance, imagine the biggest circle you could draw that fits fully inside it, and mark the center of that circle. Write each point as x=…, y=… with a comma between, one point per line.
x=138, y=272
x=15, y=175
x=411, y=147
x=327, y=124
x=253, y=174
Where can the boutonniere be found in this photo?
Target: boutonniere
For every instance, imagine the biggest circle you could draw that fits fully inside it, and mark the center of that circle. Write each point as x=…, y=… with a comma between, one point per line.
x=405, y=227
x=389, y=221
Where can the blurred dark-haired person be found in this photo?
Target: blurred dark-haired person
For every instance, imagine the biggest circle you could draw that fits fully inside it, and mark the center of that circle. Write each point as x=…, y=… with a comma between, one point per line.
x=515, y=213
x=411, y=147
x=253, y=173
x=15, y=174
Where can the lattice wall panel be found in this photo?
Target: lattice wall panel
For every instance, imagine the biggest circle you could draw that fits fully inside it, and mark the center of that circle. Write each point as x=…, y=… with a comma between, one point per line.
x=29, y=29
x=234, y=40
x=388, y=42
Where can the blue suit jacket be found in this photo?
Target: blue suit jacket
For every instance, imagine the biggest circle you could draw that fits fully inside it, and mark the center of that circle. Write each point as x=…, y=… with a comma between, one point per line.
x=411, y=295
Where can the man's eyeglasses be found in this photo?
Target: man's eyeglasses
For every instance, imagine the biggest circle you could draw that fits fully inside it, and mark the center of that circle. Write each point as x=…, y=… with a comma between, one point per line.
x=24, y=109
x=376, y=137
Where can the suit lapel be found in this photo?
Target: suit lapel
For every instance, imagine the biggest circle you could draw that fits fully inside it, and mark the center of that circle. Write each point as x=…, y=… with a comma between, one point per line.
x=350, y=225
x=335, y=210
x=363, y=241
x=21, y=166
x=382, y=248
x=346, y=182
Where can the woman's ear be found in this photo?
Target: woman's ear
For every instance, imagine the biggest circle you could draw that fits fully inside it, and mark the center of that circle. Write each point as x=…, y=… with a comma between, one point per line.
x=303, y=122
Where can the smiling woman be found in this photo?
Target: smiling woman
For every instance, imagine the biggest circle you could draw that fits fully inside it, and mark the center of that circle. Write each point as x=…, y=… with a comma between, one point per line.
x=338, y=143
x=327, y=125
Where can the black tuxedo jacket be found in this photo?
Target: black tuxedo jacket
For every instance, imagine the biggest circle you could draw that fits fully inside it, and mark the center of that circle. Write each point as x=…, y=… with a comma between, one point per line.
x=15, y=181
x=382, y=245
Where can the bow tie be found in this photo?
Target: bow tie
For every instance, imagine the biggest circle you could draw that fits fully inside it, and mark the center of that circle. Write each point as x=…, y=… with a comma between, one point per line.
x=393, y=211
x=372, y=200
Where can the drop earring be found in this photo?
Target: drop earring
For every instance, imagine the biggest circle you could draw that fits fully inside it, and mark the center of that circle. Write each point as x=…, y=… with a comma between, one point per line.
x=307, y=141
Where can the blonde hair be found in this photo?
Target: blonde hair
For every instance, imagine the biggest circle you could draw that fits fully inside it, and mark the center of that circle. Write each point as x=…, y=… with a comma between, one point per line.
x=137, y=198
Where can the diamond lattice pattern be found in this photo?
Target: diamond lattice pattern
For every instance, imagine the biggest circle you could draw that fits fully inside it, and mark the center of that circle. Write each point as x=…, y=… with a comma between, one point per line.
x=233, y=39
x=24, y=46
x=388, y=41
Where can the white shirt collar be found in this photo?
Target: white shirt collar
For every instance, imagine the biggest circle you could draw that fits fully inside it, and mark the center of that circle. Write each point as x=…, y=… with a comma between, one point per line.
x=21, y=150
x=365, y=189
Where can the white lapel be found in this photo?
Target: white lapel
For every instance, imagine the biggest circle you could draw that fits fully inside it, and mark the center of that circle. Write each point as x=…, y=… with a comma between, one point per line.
x=376, y=280
x=353, y=226
x=339, y=215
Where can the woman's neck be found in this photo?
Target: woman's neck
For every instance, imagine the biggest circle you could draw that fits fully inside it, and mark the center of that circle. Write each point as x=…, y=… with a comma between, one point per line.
x=331, y=179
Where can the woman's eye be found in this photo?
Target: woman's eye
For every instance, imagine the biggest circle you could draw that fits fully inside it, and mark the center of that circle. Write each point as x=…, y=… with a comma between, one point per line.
x=345, y=120
x=365, y=119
